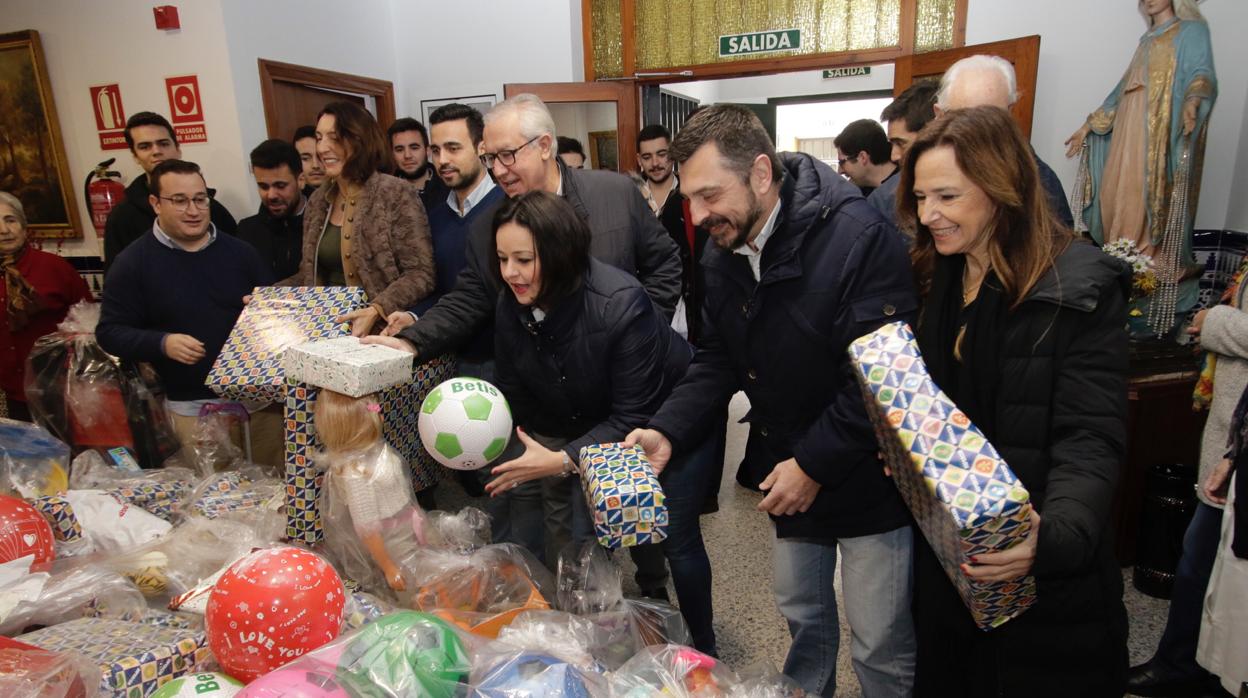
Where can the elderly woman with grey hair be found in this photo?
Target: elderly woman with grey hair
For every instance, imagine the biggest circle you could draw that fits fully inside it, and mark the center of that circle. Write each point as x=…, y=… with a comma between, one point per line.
x=38, y=289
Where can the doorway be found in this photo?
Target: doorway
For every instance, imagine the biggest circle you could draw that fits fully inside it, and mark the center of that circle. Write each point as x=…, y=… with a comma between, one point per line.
x=294, y=94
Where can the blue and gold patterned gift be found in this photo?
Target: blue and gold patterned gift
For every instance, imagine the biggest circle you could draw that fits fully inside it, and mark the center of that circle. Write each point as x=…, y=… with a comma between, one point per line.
x=135, y=658
x=249, y=366
x=965, y=498
x=624, y=496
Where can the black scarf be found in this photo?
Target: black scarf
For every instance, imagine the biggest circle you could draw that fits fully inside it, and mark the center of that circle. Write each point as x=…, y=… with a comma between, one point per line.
x=973, y=382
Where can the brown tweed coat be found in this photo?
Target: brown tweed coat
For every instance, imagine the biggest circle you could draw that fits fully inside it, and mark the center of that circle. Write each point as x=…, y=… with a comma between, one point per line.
x=391, y=250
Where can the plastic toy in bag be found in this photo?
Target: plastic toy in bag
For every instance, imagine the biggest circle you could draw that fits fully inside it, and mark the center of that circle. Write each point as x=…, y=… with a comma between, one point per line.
x=33, y=463
x=559, y=634
x=85, y=591
x=482, y=592
x=535, y=675
x=31, y=672
x=302, y=679
x=206, y=685
x=672, y=670
x=404, y=653
x=763, y=681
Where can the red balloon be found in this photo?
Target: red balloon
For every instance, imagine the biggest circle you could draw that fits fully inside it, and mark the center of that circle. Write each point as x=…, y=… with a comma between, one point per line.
x=270, y=607
x=24, y=531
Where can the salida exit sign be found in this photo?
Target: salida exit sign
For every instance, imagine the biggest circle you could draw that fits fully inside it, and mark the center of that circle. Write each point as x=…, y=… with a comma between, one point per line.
x=759, y=42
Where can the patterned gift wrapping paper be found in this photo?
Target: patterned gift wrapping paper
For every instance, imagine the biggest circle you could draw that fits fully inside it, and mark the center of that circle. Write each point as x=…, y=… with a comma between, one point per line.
x=249, y=366
x=346, y=366
x=231, y=491
x=136, y=659
x=160, y=498
x=400, y=410
x=624, y=496
x=965, y=498
x=60, y=515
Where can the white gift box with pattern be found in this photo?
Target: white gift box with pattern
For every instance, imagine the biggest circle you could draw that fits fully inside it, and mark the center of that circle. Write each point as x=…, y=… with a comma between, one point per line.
x=346, y=366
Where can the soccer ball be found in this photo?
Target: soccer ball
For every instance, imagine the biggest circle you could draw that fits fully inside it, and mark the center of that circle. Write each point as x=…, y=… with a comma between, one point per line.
x=465, y=423
x=208, y=685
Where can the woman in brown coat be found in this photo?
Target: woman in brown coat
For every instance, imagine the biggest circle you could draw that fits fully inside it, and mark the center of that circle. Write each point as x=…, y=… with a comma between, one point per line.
x=364, y=228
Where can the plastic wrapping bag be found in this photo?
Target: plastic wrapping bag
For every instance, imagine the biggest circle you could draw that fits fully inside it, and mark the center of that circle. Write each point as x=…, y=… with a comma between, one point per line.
x=763, y=681
x=672, y=670
x=559, y=634
x=534, y=674
x=484, y=591
x=401, y=654
x=363, y=608
x=237, y=494
x=201, y=548
x=89, y=590
x=30, y=672
x=33, y=463
x=88, y=399
x=89, y=521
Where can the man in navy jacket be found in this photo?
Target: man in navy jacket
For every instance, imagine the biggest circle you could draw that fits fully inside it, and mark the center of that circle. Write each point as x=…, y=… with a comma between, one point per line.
x=801, y=266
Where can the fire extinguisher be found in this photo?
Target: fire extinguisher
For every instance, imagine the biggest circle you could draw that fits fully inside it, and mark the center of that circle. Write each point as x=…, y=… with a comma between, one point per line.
x=103, y=194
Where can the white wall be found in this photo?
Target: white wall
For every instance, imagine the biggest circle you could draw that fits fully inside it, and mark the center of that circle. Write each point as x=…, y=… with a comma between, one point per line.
x=758, y=89
x=1237, y=215
x=1084, y=49
x=88, y=43
x=359, y=39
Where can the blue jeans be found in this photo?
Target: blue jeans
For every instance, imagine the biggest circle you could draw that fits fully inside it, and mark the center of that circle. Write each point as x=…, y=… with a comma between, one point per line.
x=686, y=481
x=1176, y=651
x=876, y=576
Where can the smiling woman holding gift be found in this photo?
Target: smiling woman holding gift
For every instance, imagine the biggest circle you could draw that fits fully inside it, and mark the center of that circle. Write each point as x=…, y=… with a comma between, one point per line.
x=1023, y=327
x=364, y=228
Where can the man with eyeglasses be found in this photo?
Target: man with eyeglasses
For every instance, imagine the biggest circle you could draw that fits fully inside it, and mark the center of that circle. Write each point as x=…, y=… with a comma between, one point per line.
x=864, y=155
x=151, y=141
x=520, y=149
x=172, y=297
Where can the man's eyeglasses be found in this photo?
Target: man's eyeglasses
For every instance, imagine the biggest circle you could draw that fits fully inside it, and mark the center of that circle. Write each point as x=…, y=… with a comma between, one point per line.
x=181, y=203
x=507, y=157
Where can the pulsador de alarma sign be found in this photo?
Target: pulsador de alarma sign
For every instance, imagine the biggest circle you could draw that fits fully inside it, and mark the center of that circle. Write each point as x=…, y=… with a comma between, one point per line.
x=759, y=42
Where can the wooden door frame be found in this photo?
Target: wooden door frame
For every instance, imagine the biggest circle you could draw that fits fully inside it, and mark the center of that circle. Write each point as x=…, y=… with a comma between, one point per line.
x=275, y=71
x=622, y=92
x=760, y=66
x=1023, y=53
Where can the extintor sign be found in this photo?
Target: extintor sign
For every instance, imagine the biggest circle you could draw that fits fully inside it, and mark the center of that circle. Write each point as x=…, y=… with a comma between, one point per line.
x=186, y=111
x=110, y=116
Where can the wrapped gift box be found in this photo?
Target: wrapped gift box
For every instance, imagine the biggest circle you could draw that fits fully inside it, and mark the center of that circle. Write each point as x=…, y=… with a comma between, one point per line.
x=624, y=496
x=965, y=498
x=346, y=366
x=400, y=410
x=249, y=366
x=232, y=491
x=135, y=658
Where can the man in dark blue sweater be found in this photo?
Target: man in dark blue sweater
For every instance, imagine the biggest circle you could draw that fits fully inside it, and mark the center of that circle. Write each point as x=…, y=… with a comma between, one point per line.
x=172, y=297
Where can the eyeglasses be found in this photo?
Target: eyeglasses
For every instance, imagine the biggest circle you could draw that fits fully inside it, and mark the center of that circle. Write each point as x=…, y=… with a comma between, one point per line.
x=181, y=203
x=507, y=157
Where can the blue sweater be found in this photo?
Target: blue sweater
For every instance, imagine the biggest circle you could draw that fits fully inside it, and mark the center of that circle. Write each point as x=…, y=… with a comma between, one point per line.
x=152, y=290
x=450, y=245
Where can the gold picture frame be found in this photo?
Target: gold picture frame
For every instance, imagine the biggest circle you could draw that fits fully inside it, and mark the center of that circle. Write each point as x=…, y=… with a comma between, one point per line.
x=604, y=150
x=33, y=166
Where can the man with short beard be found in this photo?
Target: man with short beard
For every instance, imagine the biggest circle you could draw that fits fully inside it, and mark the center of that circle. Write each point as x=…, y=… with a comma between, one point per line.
x=409, y=145
x=276, y=231
x=313, y=170
x=801, y=267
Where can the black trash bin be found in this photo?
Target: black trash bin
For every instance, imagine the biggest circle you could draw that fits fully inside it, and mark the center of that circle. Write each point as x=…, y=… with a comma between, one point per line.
x=1169, y=502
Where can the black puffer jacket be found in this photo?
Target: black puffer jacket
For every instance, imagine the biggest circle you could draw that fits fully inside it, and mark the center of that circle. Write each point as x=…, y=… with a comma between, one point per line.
x=1060, y=423
x=598, y=365
x=832, y=271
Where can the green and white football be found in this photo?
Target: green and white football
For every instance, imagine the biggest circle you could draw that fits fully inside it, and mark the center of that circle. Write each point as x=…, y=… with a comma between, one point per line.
x=206, y=685
x=465, y=423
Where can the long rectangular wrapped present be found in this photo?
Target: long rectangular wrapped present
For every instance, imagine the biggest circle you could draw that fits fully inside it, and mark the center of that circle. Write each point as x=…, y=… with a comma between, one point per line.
x=964, y=497
x=346, y=366
x=624, y=496
x=135, y=658
x=249, y=366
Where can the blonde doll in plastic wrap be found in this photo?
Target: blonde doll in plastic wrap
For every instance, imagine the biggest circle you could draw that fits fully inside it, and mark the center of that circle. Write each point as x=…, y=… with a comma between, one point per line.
x=372, y=523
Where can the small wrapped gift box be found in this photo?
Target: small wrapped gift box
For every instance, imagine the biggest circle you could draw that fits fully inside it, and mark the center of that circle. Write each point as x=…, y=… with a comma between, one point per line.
x=964, y=497
x=624, y=496
x=135, y=658
x=249, y=366
x=346, y=366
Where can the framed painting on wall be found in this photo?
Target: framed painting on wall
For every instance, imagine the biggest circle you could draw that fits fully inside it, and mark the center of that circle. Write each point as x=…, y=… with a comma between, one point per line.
x=482, y=103
x=32, y=155
x=603, y=150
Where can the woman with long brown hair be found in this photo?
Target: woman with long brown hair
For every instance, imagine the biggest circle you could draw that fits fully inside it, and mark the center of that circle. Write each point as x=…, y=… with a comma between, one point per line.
x=364, y=227
x=1023, y=326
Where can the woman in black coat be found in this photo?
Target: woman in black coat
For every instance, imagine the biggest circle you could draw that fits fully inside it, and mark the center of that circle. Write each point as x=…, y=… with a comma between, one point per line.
x=1023, y=327
x=584, y=357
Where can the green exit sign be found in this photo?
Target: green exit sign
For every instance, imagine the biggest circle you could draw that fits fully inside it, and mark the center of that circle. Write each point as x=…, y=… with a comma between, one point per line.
x=759, y=42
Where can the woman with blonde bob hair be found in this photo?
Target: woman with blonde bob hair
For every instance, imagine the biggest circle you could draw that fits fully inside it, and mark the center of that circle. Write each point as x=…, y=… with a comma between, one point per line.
x=1023, y=327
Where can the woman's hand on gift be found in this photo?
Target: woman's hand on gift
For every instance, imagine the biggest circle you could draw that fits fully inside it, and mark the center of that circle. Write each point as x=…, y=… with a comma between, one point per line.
x=536, y=462
x=789, y=490
x=657, y=448
x=392, y=342
x=1006, y=565
x=361, y=320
